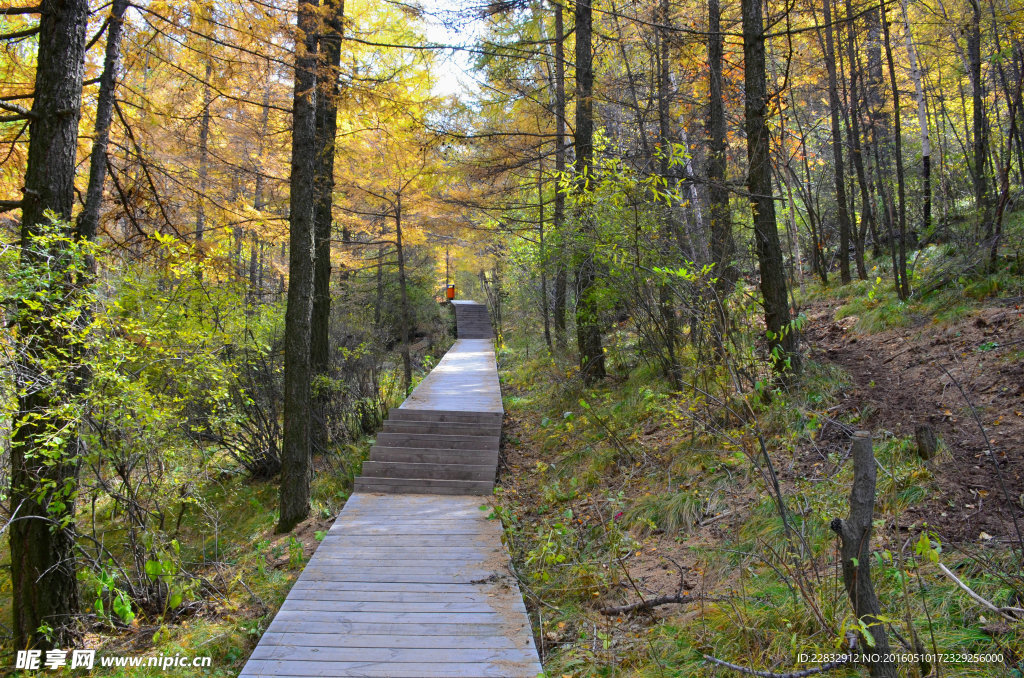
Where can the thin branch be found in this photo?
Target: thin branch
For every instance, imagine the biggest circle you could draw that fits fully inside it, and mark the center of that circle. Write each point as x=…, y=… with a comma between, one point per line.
x=1006, y=612
x=8, y=11
x=772, y=674
x=646, y=605
x=17, y=35
x=8, y=205
x=15, y=108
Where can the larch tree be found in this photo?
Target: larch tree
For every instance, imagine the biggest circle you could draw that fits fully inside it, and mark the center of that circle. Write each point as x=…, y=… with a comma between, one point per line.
x=44, y=444
x=326, y=131
x=782, y=337
x=588, y=320
x=296, y=455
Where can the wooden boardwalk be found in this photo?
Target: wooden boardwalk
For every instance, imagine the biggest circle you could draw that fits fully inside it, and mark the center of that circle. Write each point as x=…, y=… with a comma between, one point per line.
x=412, y=584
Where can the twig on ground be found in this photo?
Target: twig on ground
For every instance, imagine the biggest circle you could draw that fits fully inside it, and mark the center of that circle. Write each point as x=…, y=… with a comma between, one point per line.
x=851, y=639
x=772, y=674
x=655, y=602
x=1006, y=612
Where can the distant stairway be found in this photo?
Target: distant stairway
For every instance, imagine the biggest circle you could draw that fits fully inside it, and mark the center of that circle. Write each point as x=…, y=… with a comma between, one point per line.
x=472, y=320
x=444, y=438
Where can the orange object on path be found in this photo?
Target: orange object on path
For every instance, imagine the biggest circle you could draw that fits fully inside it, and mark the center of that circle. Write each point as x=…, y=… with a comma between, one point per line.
x=450, y=292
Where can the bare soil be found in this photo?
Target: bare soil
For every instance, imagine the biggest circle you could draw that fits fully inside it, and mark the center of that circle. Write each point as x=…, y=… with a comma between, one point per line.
x=934, y=375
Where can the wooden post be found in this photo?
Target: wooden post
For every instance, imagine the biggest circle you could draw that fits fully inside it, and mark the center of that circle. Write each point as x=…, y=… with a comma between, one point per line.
x=855, y=535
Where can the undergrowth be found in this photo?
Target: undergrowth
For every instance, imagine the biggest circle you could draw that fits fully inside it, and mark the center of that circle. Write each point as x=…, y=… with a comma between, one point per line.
x=630, y=490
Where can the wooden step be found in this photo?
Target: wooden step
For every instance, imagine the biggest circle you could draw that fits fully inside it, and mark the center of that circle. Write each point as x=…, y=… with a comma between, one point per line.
x=394, y=469
x=442, y=427
x=403, y=414
x=442, y=442
x=426, y=455
x=423, y=486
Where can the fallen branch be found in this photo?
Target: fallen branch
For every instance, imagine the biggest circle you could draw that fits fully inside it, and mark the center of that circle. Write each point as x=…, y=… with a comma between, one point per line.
x=1005, y=612
x=771, y=674
x=681, y=598
x=851, y=639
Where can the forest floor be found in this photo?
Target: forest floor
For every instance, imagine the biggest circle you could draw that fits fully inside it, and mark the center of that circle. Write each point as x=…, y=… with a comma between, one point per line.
x=614, y=495
x=935, y=375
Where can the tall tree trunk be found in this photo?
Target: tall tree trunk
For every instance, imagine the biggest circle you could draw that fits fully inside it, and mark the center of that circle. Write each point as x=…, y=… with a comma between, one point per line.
x=980, y=127
x=44, y=585
x=588, y=321
x=296, y=460
x=88, y=219
x=922, y=122
x=666, y=298
x=204, y=155
x=782, y=338
x=878, y=123
x=403, y=297
x=558, y=217
x=902, y=282
x=723, y=247
x=258, y=199
x=839, y=169
x=867, y=215
x=323, y=182
x=543, y=250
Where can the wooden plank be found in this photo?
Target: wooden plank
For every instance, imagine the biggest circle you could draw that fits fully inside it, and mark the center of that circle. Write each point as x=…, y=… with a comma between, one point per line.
x=355, y=618
x=370, y=577
x=439, y=441
x=389, y=630
x=299, y=669
x=391, y=654
x=399, y=485
x=422, y=540
x=404, y=565
x=443, y=471
x=300, y=605
x=388, y=587
x=320, y=639
x=473, y=595
x=420, y=553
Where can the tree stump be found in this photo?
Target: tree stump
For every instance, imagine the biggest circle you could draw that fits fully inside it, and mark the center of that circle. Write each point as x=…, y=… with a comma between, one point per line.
x=855, y=538
x=927, y=442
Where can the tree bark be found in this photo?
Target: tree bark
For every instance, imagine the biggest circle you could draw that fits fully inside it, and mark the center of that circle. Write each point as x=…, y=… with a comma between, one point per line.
x=558, y=217
x=44, y=585
x=323, y=181
x=839, y=169
x=922, y=121
x=588, y=322
x=88, y=219
x=723, y=247
x=855, y=537
x=902, y=281
x=782, y=338
x=296, y=461
x=867, y=216
x=544, y=306
x=666, y=298
x=403, y=298
x=980, y=127
x=204, y=156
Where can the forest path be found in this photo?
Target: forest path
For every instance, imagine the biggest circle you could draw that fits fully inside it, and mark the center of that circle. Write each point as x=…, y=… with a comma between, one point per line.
x=407, y=583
